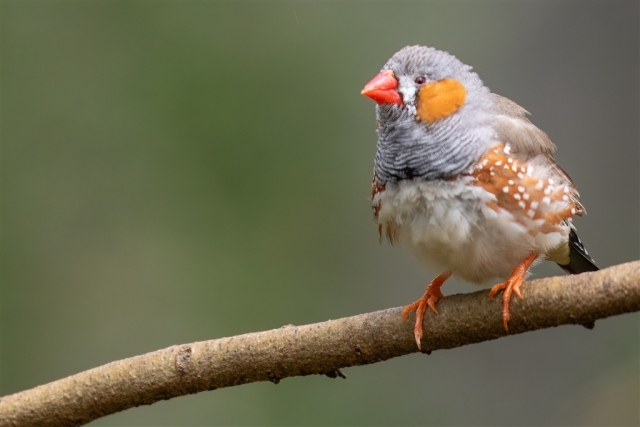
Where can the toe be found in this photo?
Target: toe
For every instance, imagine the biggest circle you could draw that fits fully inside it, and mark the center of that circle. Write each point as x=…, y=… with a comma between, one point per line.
x=431, y=302
x=418, y=335
x=516, y=289
x=495, y=289
x=408, y=309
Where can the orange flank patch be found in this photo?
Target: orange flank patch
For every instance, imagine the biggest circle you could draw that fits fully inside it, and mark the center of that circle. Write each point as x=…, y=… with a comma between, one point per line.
x=518, y=190
x=375, y=189
x=440, y=99
x=390, y=231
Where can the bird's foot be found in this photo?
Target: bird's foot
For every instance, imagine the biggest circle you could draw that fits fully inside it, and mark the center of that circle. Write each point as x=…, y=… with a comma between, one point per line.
x=431, y=295
x=511, y=285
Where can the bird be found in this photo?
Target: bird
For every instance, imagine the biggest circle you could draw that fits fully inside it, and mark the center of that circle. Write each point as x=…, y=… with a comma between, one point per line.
x=465, y=181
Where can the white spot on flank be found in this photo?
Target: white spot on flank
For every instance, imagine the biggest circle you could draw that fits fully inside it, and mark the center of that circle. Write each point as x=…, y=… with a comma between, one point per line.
x=547, y=191
x=539, y=185
x=492, y=173
x=566, y=189
x=522, y=205
x=546, y=200
x=565, y=198
x=550, y=181
x=573, y=211
x=531, y=213
x=506, y=166
x=520, y=175
x=499, y=163
x=521, y=188
x=529, y=170
x=505, y=189
x=507, y=149
x=525, y=196
x=510, y=160
x=514, y=168
x=534, y=204
x=511, y=182
x=516, y=196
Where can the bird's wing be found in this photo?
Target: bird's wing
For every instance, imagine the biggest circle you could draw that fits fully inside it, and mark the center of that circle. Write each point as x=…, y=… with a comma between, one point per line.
x=528, y=142
x=512, y=127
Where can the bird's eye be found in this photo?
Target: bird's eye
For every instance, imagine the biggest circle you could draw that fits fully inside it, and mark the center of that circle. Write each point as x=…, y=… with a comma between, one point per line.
x=420, y=80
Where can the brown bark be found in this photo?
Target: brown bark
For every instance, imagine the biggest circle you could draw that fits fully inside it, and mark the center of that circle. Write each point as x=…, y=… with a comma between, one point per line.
x=321, y=348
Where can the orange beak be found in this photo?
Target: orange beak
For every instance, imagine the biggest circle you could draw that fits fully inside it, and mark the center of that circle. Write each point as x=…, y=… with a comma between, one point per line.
x=382, y=89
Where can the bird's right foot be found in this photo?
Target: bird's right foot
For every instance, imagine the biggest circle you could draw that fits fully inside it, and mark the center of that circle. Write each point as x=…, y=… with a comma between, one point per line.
x=431, y=295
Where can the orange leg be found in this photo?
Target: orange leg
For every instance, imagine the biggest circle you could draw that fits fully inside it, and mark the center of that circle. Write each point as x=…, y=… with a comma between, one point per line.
x=430, y=297
x=512, y=284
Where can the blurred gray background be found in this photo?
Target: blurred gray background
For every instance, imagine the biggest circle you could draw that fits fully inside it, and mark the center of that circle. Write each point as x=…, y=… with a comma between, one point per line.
x=183, y=171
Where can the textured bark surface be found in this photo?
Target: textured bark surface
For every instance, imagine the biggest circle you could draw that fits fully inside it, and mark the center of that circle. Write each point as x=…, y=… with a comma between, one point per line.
x=321, y=348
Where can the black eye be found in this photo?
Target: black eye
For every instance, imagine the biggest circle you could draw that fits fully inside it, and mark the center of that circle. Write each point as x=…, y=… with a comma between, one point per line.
x=420, y=80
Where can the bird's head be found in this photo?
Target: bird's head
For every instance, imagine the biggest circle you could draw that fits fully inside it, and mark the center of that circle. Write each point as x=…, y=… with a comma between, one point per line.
x=427, y=82
x=433, y=115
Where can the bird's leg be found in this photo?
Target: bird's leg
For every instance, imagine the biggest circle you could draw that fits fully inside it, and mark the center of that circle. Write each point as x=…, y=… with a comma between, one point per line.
x=512, y=284
x=430, y=297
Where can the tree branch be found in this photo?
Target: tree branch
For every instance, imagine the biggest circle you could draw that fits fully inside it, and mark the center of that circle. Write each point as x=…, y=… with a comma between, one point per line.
x=320, y=348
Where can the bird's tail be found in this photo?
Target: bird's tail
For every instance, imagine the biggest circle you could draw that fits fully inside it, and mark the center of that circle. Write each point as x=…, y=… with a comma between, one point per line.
x=579, y=259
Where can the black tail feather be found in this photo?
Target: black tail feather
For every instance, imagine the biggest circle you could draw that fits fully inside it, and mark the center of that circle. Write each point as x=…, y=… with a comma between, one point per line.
x=579, y=259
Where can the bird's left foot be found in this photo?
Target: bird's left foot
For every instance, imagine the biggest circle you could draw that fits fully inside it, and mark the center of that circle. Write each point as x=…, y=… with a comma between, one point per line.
x=511, y=285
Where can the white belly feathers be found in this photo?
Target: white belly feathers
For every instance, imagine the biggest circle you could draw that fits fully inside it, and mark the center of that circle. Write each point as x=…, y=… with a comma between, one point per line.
x=448, y=225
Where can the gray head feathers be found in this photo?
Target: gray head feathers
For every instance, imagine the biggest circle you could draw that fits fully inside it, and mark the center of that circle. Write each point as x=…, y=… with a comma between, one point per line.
x=435, y=64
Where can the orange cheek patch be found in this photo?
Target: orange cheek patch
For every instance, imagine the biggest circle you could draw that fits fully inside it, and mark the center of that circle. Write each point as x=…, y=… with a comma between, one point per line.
x=440, y=99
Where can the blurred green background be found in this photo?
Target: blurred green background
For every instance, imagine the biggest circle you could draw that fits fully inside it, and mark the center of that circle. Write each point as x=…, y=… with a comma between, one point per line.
x=182, y=171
